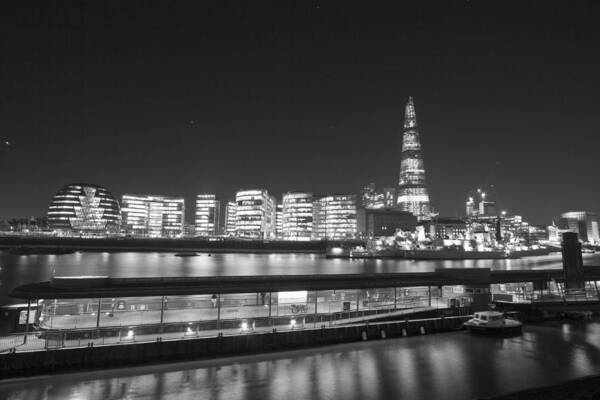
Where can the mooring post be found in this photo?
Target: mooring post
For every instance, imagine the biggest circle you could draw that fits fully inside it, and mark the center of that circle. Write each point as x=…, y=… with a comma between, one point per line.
x=162, y=312
x=27, y=321
x=98, y=313
x=572, y=262
x=316, y=300
x=219, y=311
x=429, y=295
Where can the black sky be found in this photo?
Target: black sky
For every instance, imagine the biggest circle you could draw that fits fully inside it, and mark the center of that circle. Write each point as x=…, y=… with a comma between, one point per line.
x=166, y=98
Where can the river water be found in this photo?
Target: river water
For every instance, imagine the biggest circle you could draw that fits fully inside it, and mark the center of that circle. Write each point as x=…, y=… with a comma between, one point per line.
x=441, y=366
x=18, y=270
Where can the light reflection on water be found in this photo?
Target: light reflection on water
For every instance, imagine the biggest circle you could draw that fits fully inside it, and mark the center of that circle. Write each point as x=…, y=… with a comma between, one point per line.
x=443, y=366
x=18, y=270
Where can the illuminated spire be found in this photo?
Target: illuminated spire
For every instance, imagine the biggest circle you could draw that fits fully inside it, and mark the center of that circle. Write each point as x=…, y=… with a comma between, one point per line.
x=410, y=117
x=412, y=190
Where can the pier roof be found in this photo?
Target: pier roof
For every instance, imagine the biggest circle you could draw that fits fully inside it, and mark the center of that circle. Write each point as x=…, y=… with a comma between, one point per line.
x=102, y=286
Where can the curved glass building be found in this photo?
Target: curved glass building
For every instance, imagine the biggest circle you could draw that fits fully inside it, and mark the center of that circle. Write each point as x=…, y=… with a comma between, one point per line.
x=84, y=207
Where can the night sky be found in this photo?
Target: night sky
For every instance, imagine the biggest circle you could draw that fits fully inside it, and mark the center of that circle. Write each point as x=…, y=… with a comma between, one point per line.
x=145, y=97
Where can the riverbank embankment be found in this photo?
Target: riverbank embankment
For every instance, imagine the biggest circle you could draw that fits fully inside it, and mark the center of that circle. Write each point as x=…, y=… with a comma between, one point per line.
x=114, y=356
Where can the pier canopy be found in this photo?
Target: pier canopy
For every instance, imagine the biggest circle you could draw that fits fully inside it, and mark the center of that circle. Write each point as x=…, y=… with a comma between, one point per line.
x=102, y=286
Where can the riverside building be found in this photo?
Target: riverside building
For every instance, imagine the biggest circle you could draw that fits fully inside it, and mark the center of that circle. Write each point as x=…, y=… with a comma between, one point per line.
x=230, y=215
x=153, y=216
x=255, y=214
x=279, y=221
x=334, y=217
x=297, y=216
x=208, y=214
x=370, y=198
x=412, y=190
x=84, y=208
x=584, y=223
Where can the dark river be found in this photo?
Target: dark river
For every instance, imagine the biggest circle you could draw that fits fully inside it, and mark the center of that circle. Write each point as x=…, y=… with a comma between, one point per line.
x=18, y=270
x=441, y=366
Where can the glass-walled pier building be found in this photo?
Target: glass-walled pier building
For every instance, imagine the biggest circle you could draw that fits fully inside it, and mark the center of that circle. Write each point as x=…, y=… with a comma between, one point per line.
x=120, y=310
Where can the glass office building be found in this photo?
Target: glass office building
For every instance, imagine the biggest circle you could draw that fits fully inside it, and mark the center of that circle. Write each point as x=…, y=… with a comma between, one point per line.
x=334, y=217
x=230, y=215
x=255, y=214
x=208, y=213
x=153, y=216
x=279, y=221
x=84, y=207
x=297, y=216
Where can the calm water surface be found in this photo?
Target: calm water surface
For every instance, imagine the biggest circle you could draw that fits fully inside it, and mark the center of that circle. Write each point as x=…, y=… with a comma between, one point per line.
x=18, y=270
x=442, y=366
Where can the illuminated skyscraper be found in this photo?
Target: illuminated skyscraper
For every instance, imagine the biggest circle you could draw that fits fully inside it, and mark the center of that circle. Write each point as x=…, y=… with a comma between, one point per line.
x=412, y=189
x=208, y=212
x=297, y=216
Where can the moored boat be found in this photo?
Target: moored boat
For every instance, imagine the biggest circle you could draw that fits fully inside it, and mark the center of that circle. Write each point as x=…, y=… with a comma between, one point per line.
x=493, y=322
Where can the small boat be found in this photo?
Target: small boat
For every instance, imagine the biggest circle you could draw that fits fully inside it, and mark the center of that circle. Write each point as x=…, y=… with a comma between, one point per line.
x=186, y=254
x=493, y=322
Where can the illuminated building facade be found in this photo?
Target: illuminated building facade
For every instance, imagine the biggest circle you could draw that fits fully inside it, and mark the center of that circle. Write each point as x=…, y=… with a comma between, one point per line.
x=279, y=221
x=384, y=222
x=255, y=214
x=370, y=198
x=334, y=217
x=297, y=216
x=83, y=207
x=135, y=214
x=208, y=213
x=584, y=223
x=449, y=228
x=412, y=190
x=487, y=208
x=389, y=197
x=153, y=216
x=230, y=215
x=470, y=207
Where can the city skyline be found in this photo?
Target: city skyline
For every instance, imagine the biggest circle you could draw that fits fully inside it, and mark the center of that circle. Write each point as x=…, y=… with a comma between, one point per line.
x=317, y=106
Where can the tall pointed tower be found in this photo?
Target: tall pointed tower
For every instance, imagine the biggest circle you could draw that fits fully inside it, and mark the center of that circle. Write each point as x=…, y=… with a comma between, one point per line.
x=412, y=190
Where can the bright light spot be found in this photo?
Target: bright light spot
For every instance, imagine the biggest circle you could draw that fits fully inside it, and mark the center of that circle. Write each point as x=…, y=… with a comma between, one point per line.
x=337, y=250
x=293, y=323
x=244, y=326
x=130, y=334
